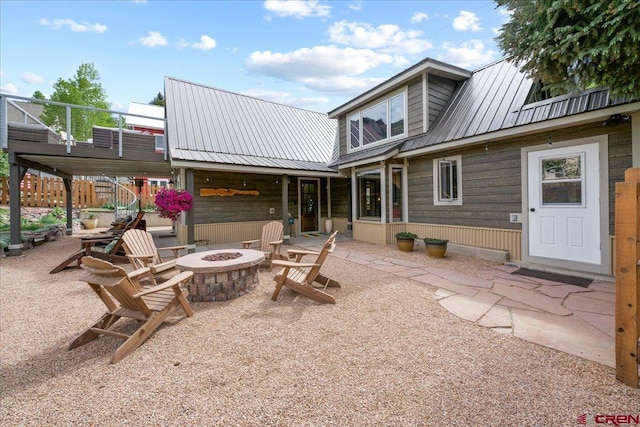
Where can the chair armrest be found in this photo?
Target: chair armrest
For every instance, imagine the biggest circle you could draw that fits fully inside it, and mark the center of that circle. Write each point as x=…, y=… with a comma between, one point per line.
x=276, y=243
x=298, y=254
x=173, y=249
x=139, y=272
x=174, y=281
x=247, y=243
x=301, y=252
x=293, y=264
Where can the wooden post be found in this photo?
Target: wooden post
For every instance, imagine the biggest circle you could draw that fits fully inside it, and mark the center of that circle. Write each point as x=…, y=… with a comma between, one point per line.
x=627, y=272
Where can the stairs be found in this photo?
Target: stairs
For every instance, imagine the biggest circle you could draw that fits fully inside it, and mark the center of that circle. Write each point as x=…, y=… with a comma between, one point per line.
x=111, y=191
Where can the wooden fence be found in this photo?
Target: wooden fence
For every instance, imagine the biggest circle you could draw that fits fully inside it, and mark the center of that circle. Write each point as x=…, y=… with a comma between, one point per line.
x=49, y=193
x=627, y=272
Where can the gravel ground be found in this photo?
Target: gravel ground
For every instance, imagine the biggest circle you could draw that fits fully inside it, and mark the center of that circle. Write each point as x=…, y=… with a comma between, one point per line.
x=386, y=354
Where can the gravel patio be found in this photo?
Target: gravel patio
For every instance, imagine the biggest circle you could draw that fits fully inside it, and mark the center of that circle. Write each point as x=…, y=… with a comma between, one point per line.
x=386, y=354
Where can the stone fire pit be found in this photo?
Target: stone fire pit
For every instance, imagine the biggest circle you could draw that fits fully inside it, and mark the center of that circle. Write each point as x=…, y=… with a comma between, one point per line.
x=221, y=275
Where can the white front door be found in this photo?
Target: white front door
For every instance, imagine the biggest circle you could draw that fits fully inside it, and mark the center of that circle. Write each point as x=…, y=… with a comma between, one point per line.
x=564, y=203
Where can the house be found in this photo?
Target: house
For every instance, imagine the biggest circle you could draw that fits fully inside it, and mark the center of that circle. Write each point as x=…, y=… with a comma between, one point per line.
x=248, y=161
x=140, y=118
x=477, y=158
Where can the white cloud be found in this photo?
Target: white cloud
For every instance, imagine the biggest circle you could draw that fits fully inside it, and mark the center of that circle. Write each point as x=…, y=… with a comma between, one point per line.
x=466, y=21
x=153, y=39
x=387, y=38
x=316, y=62
x=418, y=17
x=32, y=78
x=286, y=98
x=74, y=26
x=355, y=5
x=469, y=55
x=298, y=8
x=1, y=74
x=327, y=69
x=9, y=88
x=206, y=43
x=343, y=85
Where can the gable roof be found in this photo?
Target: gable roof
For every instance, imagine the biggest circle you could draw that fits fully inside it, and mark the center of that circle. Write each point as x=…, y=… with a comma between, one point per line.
x=211, y=128
x=492, y=99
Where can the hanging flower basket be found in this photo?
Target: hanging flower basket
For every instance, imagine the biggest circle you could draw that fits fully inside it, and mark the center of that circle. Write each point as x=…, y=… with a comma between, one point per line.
x=170, y=202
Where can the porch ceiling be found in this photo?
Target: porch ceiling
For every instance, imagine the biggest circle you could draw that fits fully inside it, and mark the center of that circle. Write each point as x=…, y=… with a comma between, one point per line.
x=96, y=167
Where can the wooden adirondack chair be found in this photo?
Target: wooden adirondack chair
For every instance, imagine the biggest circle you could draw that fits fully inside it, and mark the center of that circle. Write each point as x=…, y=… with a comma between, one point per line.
x=108, y=248
x=270, y=241
x=125, y=297
x=299, y=276
x=106, y=245
x=142, y=252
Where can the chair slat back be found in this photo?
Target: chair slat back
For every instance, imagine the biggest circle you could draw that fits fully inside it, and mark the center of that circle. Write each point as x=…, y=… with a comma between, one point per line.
x=327, y=248
x=271, y=232
x=140, y=242
x=115, y=280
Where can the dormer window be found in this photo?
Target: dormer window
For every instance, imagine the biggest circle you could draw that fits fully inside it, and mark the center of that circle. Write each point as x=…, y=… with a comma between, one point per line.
x=381, y=122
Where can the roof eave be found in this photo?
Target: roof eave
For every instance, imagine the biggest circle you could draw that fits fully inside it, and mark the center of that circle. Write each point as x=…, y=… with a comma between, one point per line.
x=222, y=167
x=369, y=160
x=438, y=67
x=547, y=125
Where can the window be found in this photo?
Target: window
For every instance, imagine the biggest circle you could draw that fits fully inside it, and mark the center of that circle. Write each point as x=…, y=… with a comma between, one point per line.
x=369, y=196
x=562, y=181
x=379, y=122
x=396, y=195
x=447, y=181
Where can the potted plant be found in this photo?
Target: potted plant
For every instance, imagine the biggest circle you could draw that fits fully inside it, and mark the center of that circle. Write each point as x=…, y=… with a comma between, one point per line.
x=90, y=221
x=405, y=241
x=436, y=248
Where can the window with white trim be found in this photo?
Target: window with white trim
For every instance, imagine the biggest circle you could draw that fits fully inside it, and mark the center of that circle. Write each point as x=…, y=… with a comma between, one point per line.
x=378, y=123
x=447, y=181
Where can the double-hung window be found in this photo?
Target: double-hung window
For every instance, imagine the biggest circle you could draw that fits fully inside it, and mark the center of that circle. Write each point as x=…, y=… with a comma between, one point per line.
x=379, y=122
x=447, y=181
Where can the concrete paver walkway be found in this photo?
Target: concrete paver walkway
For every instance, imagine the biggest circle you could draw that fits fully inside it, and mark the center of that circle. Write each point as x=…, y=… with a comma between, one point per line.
x=569, y=318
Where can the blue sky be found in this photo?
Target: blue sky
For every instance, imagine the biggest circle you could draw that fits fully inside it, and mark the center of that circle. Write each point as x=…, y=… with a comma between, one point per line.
x=311, y=54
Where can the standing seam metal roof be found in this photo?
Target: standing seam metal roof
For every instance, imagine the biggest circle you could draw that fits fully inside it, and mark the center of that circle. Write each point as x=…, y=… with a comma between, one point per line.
x=212, y=125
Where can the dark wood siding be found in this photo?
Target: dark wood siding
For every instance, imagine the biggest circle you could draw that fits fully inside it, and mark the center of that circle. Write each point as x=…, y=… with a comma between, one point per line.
x=440, y=90
x=415, y=107
x=491, y=180
x=340, y=197
x=342, y=134
x=216, y=209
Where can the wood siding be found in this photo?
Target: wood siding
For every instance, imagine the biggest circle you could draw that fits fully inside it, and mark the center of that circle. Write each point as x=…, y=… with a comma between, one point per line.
x=246, y=208
x=415, y=107
x=440, y=90
x=491, y=180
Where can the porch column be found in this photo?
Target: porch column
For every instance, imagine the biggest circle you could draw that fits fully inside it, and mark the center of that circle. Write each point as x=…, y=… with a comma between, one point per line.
x=15, y=176
x=69, y=202
x=285, y=208
x=190, y=187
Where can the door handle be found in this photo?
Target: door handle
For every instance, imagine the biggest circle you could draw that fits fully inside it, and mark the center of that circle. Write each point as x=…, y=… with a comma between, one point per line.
x=532, y=209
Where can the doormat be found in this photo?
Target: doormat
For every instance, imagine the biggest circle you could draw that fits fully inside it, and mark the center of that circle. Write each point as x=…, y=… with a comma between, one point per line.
x=555, y=277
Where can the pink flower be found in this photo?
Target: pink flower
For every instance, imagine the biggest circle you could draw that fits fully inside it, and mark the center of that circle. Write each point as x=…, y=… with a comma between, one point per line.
x=170, y=202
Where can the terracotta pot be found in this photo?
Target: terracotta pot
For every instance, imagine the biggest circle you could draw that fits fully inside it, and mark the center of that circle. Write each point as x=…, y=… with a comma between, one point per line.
x=405, y=244
x=436, y=250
